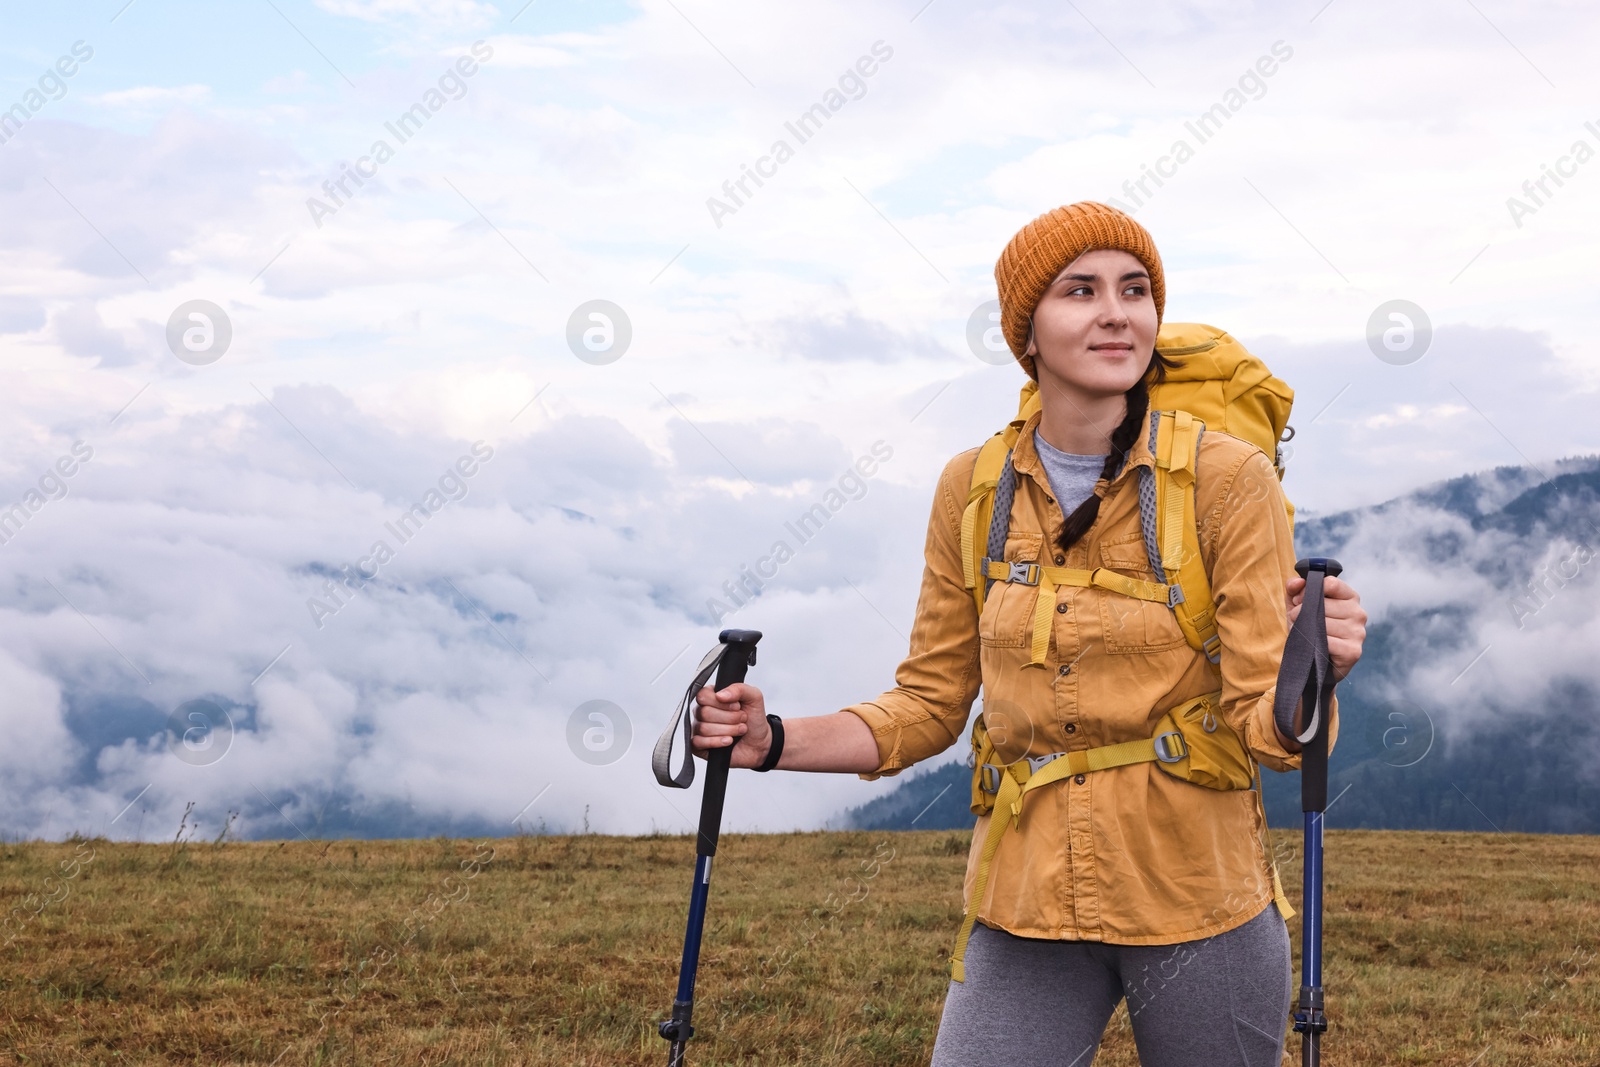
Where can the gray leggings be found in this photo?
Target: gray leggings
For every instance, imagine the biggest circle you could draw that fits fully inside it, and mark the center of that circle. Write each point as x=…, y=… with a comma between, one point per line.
x=1222, y=1001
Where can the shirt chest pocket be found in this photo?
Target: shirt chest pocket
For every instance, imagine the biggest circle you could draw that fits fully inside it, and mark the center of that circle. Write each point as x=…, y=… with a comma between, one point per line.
x=1008, y=606
x=1132, y=625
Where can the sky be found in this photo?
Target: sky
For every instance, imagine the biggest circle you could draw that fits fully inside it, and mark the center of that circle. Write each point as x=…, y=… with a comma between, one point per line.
x=360, y=347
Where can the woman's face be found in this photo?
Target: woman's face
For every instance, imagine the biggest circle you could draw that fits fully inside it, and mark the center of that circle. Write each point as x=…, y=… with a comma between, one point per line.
x=1095, y=327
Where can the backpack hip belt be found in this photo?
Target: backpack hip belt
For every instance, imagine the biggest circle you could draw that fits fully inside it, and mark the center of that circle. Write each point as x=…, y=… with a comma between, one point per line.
x=1191, y=742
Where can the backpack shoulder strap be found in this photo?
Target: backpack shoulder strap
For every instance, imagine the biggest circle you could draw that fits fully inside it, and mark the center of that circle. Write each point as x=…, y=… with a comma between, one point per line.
x=991, y=474
x=1005, y=493
x=1172, y=535
x=994, y=459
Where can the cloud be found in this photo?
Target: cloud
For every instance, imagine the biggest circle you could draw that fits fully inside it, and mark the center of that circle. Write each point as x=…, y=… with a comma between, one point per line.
x=147, y=96
x=1479, y=397
x=101, y=213
x=35, y=745
x=849, y=337
x=1487, y=584
x=771, y=452
x=20, y=314
x=547, y=51
x=80, y=332
x=183, y=562
x=434, y=13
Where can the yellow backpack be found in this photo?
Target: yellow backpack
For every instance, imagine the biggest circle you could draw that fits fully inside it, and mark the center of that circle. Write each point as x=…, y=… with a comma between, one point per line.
x=1217, y=384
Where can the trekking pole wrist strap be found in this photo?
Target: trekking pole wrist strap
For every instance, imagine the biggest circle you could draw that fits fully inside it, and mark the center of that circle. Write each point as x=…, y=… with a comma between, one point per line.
x=775, y=751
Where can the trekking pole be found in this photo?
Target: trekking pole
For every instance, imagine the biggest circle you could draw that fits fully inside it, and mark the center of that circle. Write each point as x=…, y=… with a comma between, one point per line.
x=1305, y=678
x=735, y=652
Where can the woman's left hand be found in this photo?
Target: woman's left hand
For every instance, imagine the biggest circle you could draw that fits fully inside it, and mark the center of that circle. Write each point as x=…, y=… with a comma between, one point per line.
x=1347, y=620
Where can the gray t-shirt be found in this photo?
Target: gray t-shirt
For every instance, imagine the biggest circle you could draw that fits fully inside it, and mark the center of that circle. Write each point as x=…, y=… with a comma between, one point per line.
x=1072, y=476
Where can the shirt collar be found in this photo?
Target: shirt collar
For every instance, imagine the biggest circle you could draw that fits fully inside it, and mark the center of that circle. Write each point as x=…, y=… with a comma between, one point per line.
x=1025, y=457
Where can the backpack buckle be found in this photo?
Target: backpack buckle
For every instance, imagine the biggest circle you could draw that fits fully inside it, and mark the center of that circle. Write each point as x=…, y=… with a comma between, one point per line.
x=1025, y=573
x=1035, y=763
x=1170, y=752
x=1174, y=595
x=987, y=773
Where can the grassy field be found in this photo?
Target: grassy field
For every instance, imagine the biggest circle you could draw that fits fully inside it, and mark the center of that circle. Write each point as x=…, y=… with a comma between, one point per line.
x=822, y=949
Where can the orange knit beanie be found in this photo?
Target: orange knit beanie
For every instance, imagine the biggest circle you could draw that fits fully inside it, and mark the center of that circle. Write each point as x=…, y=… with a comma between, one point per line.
x=1044, y=247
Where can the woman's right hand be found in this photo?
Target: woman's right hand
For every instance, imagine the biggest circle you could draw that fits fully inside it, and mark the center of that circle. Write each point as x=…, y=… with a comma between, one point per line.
x=735, y=716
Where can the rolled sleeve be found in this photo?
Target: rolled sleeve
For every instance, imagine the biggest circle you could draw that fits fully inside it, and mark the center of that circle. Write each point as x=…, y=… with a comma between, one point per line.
x=1262, y=735
x=1252, y=561
x=935, y=685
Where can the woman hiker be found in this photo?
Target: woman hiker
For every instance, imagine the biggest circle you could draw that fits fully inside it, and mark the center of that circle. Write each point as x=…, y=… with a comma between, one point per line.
x=1125, y=882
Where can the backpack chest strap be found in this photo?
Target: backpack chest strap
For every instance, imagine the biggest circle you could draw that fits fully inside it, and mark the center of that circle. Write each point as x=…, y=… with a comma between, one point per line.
x=1049, y=578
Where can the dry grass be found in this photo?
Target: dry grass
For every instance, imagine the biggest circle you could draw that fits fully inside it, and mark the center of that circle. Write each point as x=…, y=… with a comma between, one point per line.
x=1442, y=949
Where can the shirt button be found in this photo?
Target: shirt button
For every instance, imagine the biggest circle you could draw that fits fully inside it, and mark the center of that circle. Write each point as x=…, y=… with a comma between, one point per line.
x=1072, y=727
x=1061, y=609
x=1066, y=669
x=1060, y=559
x=1049, y=500
x=1079, y=779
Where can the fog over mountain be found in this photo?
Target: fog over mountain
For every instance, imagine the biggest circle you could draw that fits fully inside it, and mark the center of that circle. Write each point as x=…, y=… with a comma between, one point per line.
x=1477, y=703
x=399, y=628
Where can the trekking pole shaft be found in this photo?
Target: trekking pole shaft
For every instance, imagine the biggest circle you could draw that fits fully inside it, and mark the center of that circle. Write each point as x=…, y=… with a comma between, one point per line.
x=1310, y=1020
x=692, y=934
x=683, y=1005
x=1311, y=928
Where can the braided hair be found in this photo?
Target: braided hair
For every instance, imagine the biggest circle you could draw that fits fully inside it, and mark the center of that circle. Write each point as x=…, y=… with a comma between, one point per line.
x=1123, y=438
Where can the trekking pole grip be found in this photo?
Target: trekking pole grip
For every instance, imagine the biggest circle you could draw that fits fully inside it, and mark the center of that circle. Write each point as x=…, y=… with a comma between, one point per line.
x=1306, y=674
x=1306, y=680
x=735, y=663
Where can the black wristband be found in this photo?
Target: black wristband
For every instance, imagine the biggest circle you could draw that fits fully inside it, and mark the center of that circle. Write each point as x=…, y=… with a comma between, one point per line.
x=776, y=751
